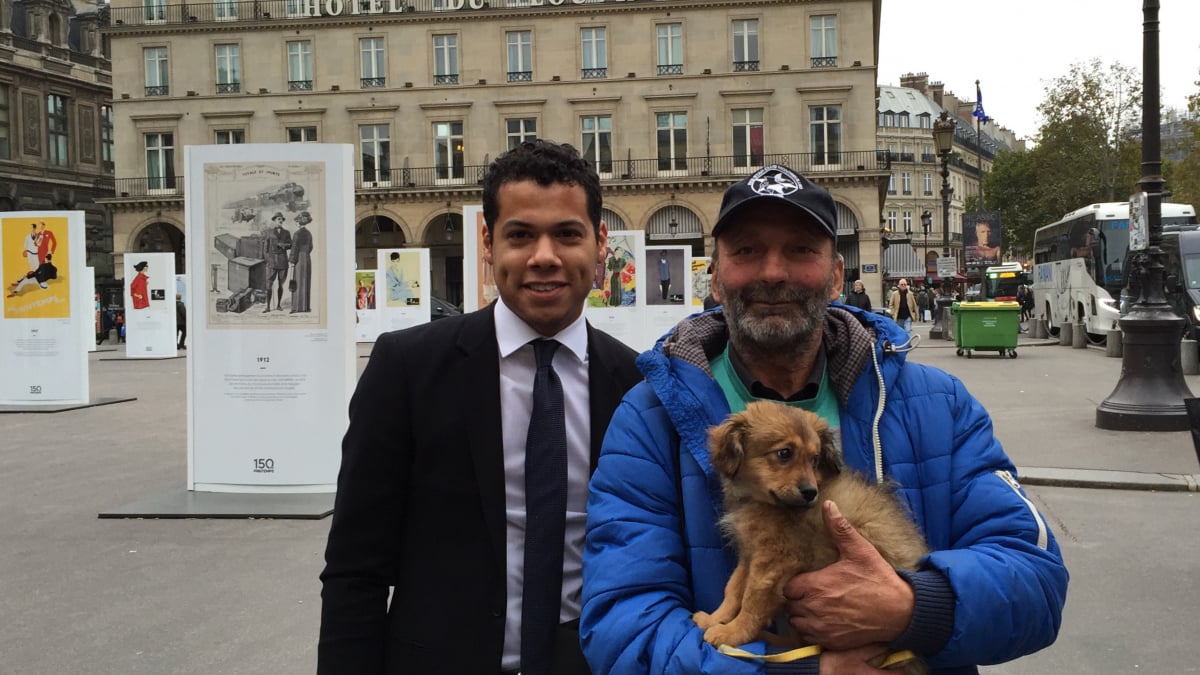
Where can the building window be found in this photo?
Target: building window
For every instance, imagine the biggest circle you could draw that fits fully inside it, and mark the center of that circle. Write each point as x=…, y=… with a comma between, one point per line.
x=300, y=65
x=230, y=136
x=745, y=45
x=156, y=71
x=520, y=55
x=375, y=148
x=671, y=134
x=225, y=10
x=906, y=182
x=906, y=154
x=823, y=37
x=445, y=59
x=154, y=11
x=56, y=129
x=595, y=53
x=596, y=132
x=6, y=122
x=301, y=134
x=448, y=150
x=106, y=138
x=670, y=48
x=891, y=221
x=371, y=53
x=825, y=133
x=892, y=183
x=229, y=69
x=908, y=222
x=520, y=130
x=747, y=137
x=927, y=183
x=160, y=161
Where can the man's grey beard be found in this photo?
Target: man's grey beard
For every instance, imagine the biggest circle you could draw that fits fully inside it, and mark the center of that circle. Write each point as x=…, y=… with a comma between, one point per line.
x=787, y=330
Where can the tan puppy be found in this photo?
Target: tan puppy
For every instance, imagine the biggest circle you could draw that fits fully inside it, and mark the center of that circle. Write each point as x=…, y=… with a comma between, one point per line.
x=777, y=465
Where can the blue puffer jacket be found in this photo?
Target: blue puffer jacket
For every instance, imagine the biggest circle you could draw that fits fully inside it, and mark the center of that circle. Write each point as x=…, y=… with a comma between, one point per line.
x=642, y=579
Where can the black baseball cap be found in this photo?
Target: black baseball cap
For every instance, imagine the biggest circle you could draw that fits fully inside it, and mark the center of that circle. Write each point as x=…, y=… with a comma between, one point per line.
x=779, y=183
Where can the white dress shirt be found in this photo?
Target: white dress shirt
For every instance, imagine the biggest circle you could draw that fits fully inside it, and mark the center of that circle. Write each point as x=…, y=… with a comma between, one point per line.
x=517, y=369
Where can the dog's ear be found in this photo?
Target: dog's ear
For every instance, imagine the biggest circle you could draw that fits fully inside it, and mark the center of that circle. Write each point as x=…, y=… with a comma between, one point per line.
x=829, y=462
x=726, y=445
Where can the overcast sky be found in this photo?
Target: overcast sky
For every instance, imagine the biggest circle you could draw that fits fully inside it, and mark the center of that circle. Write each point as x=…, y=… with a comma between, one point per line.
x=1017, y=47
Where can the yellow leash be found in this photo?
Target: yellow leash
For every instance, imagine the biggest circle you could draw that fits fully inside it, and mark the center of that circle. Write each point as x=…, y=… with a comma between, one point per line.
x=892, y=659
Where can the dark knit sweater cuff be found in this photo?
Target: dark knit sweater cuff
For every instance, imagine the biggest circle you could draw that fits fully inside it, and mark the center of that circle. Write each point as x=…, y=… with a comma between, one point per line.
x=933, y=613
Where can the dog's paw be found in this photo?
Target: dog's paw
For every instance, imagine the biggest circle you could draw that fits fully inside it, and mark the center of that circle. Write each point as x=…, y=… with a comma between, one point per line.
x=726, y=634
x=703, y=619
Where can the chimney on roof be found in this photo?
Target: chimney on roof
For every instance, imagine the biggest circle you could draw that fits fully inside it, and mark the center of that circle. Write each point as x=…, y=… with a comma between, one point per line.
x=937, y=91
x=918, y=81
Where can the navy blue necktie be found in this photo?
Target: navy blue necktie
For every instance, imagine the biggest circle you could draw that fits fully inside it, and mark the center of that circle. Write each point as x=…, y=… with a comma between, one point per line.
x=546, y=514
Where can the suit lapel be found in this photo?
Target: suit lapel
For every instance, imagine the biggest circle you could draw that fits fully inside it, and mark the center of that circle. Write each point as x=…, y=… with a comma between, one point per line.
x=481, y=414
x=604, y=393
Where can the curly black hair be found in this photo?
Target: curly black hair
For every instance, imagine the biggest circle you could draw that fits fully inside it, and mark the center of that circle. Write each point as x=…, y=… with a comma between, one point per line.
x=547, y=163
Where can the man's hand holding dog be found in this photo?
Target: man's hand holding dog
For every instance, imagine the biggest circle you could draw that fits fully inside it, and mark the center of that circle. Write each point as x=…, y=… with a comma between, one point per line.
x=854, y=602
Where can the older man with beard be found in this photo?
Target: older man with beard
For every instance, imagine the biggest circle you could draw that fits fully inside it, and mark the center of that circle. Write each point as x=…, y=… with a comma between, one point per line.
x=992, y=589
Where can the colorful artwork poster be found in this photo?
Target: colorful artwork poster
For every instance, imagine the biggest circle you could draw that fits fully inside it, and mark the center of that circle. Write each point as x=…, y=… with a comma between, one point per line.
x=364, y=290
x=479, y=281
x=701, y=280
x=402, y=274
x=263, y=247
x=616, y=279
x=36, y=266
x=147, y=281
x=668, y=283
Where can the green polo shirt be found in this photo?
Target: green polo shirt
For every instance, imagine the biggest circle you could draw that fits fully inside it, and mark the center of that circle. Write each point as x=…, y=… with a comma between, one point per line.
x=740, y=388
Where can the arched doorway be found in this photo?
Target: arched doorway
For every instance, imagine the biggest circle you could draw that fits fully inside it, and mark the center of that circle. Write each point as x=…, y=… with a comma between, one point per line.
x=373, y=233
x=444, y=237
x=676, y=225
x=162, y=238
x=612, y=220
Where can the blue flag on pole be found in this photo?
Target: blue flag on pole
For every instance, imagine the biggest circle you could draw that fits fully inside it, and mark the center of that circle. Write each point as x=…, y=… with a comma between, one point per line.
x=979, y=104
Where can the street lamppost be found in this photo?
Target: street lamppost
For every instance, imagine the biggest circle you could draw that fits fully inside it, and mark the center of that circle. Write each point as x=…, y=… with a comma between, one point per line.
x=926, y=224
x=943, y=140
x=1150, y=394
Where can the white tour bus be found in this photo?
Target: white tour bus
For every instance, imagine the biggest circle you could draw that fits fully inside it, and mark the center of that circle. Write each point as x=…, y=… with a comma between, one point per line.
x=1079, y=265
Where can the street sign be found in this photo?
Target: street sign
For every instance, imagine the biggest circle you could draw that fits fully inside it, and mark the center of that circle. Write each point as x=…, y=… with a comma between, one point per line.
x=870, y=268
x=947, y=267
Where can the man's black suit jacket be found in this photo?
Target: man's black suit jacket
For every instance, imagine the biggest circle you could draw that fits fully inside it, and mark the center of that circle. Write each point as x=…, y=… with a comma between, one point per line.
x=420, y=502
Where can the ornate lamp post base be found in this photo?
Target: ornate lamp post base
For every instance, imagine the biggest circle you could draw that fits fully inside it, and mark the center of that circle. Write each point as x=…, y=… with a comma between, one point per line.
x=943, y=328
x=1149, y=396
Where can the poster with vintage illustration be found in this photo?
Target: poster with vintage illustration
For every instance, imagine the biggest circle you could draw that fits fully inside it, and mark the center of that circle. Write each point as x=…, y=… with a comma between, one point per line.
x=150, y=305
x=43, y=347
x=263, y=245
x=701, y=280
x=405, y=272
x=271, y=334
x=366, y=316
x=670, y=282
x=616, y=301
x=479, y=283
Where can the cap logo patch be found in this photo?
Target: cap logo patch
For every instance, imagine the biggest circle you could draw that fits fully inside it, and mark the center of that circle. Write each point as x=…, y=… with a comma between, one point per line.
x=774, y=181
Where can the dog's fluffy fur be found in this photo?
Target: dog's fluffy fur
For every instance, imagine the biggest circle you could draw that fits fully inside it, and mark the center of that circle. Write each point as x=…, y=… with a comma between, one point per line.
x=777, y=465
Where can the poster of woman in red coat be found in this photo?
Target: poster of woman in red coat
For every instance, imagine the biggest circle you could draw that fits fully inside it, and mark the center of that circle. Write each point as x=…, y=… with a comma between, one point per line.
x=137, y=288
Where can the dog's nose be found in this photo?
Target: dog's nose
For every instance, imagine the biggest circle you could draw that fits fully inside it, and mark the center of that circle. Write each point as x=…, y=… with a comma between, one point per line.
x=808, y=492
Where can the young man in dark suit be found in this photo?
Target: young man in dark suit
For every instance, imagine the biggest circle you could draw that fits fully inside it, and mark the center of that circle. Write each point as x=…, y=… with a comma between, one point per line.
x=432, y=499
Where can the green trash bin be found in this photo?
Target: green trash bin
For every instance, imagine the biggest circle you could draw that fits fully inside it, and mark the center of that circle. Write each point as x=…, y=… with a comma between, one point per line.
x=986, y=326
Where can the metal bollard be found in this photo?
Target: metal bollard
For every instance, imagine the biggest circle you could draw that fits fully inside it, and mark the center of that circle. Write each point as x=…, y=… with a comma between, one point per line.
x=1189, y=356
x=1079, y=336
x=1064, y=333
x=1114, y=345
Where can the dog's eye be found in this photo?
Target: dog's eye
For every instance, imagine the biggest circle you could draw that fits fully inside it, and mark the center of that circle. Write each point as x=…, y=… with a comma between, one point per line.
x=785, y=454
x=815, y=461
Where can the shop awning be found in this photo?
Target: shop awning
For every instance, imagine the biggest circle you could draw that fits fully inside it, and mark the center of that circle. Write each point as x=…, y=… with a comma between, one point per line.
x=902, y=260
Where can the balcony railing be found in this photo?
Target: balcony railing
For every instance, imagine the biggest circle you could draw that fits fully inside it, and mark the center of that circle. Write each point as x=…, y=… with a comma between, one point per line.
x=445, y=79
x=824, y=62
x=300, y=85
x=594, y=73
x=611, y=171
x=745, y=66
x=373, y=82
x=229, y=87
x=671, y=69
x=520, y=76
x=159, y=90
x=928, y=159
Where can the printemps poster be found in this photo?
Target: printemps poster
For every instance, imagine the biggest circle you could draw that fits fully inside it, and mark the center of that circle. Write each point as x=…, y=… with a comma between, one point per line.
x=43, y=346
